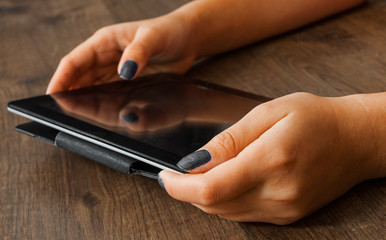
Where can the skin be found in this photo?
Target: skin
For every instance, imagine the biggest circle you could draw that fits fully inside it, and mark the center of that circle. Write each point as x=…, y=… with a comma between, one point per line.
x=285, y=158
x=171, y=43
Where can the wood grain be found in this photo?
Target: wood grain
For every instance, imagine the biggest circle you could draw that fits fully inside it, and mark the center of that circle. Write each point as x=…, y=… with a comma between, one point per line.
x=47, y=193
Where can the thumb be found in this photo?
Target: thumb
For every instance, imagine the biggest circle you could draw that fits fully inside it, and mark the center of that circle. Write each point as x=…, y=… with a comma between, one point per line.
x=137, y=54
x=229, y=143
x=133, y=60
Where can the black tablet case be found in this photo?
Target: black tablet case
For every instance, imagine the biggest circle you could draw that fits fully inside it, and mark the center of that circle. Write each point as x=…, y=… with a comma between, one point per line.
x=89, y=150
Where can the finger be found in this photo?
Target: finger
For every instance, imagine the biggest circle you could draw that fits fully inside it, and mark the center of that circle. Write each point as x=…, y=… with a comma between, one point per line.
x=275, y=200
x=222, y=183
x=75, y=63
x=137, y=53
x=250, y=206
x=96, y=76
x=250, y=168
x=247, y=202
x=100, y=50
x=201, y=189
x=229, y=143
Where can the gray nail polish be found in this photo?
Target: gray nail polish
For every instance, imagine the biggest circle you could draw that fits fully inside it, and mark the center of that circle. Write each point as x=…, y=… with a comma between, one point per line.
x=194, y=160
x=130, y=117
x=160, y=182
x=128, y=70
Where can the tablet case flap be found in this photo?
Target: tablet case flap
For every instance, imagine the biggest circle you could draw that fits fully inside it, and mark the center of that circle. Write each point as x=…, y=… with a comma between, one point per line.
x=89, y=150
x=38, y=131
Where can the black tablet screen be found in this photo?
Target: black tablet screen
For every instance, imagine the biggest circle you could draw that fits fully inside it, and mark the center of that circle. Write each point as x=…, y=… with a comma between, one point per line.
x=164, y=112
x=155, y=119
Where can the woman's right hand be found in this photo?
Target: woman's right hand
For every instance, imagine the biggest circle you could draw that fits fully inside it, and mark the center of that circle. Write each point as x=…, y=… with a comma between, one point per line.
x=161, y=44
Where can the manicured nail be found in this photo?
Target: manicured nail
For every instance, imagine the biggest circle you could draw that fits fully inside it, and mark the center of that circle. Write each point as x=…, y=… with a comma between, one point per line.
x=128, y=70
x=130, y=117
x=194, y=160
x=160, y=182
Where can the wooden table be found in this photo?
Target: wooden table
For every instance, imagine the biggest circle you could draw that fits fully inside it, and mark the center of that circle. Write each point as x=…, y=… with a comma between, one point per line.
x=48, y=193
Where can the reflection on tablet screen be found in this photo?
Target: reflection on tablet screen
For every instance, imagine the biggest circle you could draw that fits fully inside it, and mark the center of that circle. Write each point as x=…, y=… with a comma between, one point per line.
x=174, y=115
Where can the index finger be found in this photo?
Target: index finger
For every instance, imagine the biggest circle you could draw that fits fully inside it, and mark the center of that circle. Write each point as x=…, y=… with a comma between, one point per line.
x=75, y=63
x=230, y=179
x=222, y=183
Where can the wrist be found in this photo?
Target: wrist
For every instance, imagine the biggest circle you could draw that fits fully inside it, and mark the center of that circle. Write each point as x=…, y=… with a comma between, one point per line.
x=188, y=33
x=374, y=109
x=214, y=25
x=363, y=119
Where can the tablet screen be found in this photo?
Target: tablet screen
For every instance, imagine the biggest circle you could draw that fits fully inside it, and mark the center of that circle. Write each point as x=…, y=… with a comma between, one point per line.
x=160, y=114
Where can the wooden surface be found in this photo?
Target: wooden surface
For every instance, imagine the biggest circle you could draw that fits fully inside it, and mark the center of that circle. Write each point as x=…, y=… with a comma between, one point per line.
x=48, y=193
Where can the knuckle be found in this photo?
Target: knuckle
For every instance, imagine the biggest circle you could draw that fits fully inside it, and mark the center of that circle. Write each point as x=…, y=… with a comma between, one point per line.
x=226, y=142
x=287, y=157
x=290, y=195
x=138, y=47
x=287, y=196
x=283, y=161
x=290, y=199
x=66, y=60
x=305, y=100
x=303, y=95
x=150, y=30
x=102, y=37
x=207, y=194
x=265, y=107
x=102, y=31
x=291, y=215
x=290, y=209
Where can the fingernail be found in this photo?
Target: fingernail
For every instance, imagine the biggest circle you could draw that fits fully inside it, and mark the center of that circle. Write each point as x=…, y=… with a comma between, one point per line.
x=160, y=182
x=130, y=117
x=128, y=70
x=194, y=160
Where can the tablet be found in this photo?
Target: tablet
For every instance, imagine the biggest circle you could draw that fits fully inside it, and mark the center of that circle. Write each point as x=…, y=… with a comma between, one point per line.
x=155, y=120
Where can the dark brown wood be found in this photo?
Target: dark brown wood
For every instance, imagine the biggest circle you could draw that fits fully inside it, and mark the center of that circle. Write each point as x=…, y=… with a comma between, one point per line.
x=47, y=193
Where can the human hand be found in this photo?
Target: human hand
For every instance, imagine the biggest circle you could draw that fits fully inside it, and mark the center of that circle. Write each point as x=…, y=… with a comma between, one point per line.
x=161, y=44
x=284, y=159
x=172, y=42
